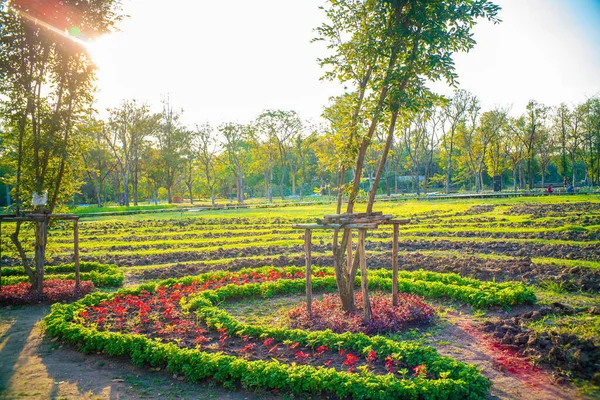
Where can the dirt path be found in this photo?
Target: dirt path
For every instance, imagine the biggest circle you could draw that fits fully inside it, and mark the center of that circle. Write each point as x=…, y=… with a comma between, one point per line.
x=512, y=377
x=34, y=367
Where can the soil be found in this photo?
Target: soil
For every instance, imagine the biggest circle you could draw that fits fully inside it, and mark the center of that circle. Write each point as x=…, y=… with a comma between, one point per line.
x=563, y=352
x=512, y=376
x=552, y=210
x=36, y=367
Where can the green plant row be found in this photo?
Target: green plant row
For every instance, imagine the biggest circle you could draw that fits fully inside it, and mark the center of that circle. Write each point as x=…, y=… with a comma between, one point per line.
x=468, y=290
x=451, y=379
x=102, y=275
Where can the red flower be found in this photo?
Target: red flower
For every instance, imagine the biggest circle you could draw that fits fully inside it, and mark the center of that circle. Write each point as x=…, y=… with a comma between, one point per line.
x=420, y=370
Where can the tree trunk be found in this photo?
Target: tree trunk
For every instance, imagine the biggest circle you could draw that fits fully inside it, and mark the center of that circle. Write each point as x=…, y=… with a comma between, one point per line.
x=169, y=196
x=281, y=193
x=240, y=189
x=267, y=185
x=125, y=189
x=396, y=178
x=543, y=177
x=293, y=176
x=448, y=170
x=41, y=236
x=388, y=189
x=573, y=168
x=191, y=194
x=270, y=180
x=212, y=196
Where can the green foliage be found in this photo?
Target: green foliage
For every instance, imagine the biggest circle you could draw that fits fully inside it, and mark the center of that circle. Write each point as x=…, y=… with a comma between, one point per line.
x=102, y=275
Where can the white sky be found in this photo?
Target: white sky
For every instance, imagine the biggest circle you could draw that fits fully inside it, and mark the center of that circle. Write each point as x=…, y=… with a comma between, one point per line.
x=229, y=60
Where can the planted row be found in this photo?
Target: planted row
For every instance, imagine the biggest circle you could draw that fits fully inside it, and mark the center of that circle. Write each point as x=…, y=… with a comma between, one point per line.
x=102, y=275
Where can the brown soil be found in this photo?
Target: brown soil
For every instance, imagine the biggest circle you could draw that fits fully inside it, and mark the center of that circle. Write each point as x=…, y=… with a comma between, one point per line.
x=35, y=367
x=512, y=377
x=552, y=210
x=561, y=351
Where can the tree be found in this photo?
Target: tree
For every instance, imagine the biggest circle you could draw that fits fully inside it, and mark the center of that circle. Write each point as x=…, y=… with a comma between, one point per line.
x=389, y=49
x=96, y=156
x=575, y=137
x=560, y=122
x=530, y=132
x=514, y=146
x=206, y=153
x=46, y=89
x=282, y=126
x=236, y=136
x=591, y=128
x=454, y=112
x=546, y=152
x=173, y=142
x=128, y=126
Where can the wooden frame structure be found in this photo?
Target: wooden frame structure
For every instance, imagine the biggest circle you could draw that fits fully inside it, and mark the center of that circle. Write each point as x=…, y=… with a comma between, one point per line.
x=362, y=222
x=43, y=217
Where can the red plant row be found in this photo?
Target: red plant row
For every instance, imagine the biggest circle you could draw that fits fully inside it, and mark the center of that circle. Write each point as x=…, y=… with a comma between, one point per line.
x=54, y=290
x=328, y=314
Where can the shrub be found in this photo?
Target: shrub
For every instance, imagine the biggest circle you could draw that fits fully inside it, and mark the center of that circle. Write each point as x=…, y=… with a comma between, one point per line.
x=328, y=314
x=54, y=290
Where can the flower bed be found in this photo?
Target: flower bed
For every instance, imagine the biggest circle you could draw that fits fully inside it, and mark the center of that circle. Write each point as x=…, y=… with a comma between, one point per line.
x=102, y=275
x=328, y=314
x=54, y=290
x=177, y=325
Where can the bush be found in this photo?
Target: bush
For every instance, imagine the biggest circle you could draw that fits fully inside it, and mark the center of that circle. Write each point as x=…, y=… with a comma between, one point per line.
x=328, y=314
x=54, y=290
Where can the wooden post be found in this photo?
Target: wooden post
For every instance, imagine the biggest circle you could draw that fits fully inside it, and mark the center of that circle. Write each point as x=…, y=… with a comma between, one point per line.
x=307, y=252
x=395, y=266
x=76, y=252
x=1, y=255
x=349, y=251
x=367, y=314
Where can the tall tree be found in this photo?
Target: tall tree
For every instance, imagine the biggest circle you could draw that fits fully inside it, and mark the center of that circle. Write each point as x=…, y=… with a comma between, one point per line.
x=401, y=44
x=46, y=88
x=454, y=112
x=128, y=126
x=282, y=126
x=97, y=157
x=207, y=156
x=173, y=142
x=236, y=139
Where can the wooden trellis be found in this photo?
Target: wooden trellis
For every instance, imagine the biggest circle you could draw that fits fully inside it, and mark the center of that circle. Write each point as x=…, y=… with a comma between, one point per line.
x=36, y=217
x=362, y=222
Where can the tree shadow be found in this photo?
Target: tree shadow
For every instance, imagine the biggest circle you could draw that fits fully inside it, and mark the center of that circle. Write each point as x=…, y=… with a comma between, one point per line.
x=15, y=338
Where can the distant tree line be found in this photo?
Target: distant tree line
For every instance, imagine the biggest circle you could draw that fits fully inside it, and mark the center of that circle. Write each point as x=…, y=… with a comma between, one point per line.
x=136, y=155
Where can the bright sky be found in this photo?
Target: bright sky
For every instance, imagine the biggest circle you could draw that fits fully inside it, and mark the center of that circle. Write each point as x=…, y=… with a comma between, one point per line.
x=229, y=60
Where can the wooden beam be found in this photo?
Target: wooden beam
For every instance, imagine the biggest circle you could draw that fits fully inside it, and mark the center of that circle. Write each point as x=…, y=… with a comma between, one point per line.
x=367, y=313
x=395, y=266
x=335, y=226
x=397, y=222
x=308, y=256
x=349, y=259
